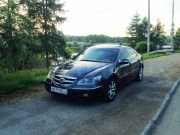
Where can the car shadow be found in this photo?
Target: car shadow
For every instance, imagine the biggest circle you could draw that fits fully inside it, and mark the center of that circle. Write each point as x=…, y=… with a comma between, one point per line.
x=75, y=101
x=121, y=94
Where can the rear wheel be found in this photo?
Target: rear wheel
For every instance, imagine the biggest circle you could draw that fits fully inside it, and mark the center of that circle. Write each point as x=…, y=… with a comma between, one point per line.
x=110, y=91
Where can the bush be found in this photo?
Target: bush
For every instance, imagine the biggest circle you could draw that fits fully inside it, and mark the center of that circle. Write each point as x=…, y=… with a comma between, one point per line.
x=141, y=47
x=176, y=46
x=35, y=62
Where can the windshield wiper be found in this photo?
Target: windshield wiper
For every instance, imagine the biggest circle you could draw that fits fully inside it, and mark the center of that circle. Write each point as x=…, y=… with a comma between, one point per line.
x=89, y=60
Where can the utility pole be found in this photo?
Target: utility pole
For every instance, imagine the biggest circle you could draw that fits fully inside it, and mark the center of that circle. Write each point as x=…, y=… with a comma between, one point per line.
x=148, y=38
x=172, y=25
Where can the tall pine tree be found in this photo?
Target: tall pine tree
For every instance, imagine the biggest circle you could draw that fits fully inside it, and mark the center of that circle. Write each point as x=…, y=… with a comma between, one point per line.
x=158, y=34
x=46, y=14
x=133, y=29
x=13, y=28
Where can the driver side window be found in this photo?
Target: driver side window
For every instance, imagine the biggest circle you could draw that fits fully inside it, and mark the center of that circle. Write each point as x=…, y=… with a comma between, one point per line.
x=123, y=54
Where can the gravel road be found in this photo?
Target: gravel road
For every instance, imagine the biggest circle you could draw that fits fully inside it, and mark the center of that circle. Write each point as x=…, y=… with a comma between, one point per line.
x=34, y=111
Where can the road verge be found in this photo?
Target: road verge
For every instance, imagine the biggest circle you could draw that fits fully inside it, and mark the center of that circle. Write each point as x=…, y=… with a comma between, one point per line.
x=153, y=122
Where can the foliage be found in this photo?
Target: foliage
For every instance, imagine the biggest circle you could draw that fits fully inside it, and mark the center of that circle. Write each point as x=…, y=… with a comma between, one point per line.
x=138, y=31
x=158, y=34
x=18, y=80
x=14, y=30
x=141, y=47
x=142, y=29
x=92, y=39
x=28, y=33
x=177, y=39
x=74, y=46
x=46, y=15
x=68, y=53
x=147, y=56
x=133, y=30
x=35, y=61
x=177, y=51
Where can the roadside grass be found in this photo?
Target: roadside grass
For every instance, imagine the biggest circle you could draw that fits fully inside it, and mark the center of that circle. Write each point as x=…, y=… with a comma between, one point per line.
x=146, y=56
x=13, y=81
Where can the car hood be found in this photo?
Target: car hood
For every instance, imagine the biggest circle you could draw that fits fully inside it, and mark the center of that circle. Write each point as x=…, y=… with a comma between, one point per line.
x=79, y=69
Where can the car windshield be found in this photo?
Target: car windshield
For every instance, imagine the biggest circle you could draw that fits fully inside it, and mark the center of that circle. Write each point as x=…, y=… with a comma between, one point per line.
x=98, y=55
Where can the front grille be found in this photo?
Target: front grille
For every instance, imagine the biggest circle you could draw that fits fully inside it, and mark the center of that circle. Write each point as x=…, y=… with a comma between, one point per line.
x=63, y=80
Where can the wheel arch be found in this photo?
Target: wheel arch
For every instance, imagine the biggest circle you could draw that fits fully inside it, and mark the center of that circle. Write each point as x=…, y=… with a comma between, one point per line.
x=114, y=76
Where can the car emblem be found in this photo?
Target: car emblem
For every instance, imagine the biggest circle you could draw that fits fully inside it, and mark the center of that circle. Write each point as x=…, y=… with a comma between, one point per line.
x=61, y=80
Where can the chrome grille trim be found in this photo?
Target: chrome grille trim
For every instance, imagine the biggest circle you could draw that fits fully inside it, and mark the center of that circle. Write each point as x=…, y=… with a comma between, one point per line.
x=62, y=76
x=66, y=80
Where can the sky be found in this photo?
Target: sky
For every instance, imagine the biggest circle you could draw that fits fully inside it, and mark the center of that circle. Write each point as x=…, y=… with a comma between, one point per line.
x=112, y=17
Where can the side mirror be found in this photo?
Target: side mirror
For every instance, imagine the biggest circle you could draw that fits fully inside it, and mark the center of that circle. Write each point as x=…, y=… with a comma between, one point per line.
x=124, y=61
x=73, y=57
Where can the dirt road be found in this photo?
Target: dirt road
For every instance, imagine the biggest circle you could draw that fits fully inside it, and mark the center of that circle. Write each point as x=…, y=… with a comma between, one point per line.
x=34, y=111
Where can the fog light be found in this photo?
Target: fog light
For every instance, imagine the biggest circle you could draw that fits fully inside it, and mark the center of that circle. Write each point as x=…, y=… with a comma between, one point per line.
x=85, y=95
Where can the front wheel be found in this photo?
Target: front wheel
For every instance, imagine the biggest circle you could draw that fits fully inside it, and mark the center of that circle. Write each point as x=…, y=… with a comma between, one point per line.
x=110, y=91
x=140, y=74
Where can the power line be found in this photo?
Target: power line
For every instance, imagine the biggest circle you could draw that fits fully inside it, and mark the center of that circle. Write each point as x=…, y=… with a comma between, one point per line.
x=95, y=14
x=167, y=2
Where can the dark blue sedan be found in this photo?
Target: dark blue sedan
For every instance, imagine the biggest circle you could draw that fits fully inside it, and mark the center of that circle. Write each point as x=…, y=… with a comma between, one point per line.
x=98, y=71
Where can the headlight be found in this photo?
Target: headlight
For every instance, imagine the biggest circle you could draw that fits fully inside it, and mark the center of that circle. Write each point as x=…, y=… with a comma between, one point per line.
x=89, y=80
x=50, y=75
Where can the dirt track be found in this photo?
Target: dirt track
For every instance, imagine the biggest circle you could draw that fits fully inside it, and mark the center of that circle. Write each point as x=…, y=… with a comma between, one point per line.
x=34, y=111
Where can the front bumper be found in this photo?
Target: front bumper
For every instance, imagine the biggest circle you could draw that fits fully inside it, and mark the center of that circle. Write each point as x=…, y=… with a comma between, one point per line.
x=78, y=92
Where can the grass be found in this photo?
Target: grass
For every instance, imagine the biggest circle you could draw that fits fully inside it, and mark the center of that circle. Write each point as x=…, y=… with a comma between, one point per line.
x=14, y=81
x=146, y=56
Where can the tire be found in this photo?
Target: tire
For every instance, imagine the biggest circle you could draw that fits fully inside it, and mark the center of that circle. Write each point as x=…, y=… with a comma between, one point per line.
x=110, y=91
x=140, y=74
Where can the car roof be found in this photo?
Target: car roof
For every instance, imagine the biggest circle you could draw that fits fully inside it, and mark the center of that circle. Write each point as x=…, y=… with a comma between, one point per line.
x=115, y=46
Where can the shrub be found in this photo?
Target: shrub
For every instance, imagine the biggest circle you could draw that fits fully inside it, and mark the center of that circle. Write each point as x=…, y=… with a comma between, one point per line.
x=35, y=62
x=141, y=47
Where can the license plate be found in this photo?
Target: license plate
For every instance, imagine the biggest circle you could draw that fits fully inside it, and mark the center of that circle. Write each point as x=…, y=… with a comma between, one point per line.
x=59, y=90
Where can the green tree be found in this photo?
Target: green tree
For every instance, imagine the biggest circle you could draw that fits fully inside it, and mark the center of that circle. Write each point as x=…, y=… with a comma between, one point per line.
x=142, y=29
x=46, y=14
x=14, y=27
x=133, y=29
x=137, y=30
x=177, y=39
x=158, y=34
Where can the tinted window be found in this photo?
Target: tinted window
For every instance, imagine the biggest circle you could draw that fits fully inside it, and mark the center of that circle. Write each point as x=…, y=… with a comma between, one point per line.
x=124, y=54
x=132, y=53
x=98, y=55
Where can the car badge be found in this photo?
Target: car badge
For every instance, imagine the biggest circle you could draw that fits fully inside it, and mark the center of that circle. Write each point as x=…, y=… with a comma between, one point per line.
x=61, y=80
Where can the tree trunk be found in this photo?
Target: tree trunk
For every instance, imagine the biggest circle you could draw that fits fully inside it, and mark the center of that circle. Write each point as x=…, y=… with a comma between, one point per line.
x=47, y=60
